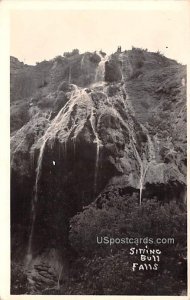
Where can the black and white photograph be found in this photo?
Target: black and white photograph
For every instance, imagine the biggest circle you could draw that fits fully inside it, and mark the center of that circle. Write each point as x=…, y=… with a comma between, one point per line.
x=98, y=149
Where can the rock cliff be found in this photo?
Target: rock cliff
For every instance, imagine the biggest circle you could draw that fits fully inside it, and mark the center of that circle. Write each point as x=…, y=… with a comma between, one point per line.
x=85, y=124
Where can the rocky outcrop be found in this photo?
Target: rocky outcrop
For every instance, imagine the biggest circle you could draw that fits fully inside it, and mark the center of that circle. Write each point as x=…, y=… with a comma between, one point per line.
x=79, y=138
x=113, y=70
x=37, y=88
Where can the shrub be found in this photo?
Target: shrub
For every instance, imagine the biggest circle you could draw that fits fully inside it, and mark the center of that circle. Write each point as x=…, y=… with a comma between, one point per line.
x=112, y=275
x=59, y=59
x=72, y=53
x=94, y=58
x=160, y=53
x=102, y=53
x=19, y=115
x=105, y=269
x=139, y=50
x=19, y=282
x=150, y=219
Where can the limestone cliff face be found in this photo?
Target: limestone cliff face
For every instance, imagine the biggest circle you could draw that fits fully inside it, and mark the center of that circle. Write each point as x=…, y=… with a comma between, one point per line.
x=85, y=124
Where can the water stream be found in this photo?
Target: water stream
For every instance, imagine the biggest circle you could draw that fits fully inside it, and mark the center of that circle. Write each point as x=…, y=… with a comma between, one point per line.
x=100, y=71
x=148, y=157
x=49, y=135
x=98, y=144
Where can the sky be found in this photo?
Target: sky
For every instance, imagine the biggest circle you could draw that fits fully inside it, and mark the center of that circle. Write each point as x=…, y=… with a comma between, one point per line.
x=43, y=34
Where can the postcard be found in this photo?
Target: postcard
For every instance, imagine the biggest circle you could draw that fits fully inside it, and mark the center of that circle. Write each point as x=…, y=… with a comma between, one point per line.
x=95, y=187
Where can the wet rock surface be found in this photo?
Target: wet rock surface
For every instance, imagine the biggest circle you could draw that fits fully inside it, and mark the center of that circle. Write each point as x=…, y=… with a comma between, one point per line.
x=78, y=138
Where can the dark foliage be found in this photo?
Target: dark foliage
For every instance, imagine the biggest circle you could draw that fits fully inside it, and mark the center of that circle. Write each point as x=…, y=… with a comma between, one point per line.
x=105, y=269
x=94, y=58
x=72, y=53
x=19, y=282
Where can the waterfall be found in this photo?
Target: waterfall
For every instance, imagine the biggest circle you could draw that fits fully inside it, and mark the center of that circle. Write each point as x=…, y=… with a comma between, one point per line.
x=151, y=149
x=100, y=71
x=49, y=135
x=98, y=143
x=35, y=200
x=38, y=170
x=143, y=170
x=142, y=162
x=69, y=75
x=96, y=166
x=82, y=62
x=145, y=163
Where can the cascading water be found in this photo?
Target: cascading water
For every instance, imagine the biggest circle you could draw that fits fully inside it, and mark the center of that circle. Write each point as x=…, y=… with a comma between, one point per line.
x=151, y=148
x=143, y=162
x=38, y=172
x=82, y=62
x=143, y=170
x=63, y=117
x=69, y=80
x=49, y=134
x=100, y=71
x=98, y=143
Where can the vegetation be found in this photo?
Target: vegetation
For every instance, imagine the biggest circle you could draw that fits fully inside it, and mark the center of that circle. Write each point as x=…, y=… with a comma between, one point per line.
x=72, y=53
x=94, y=58
x=19, y=115
x=102, y=269
x=105, y=269
x=19, y=282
